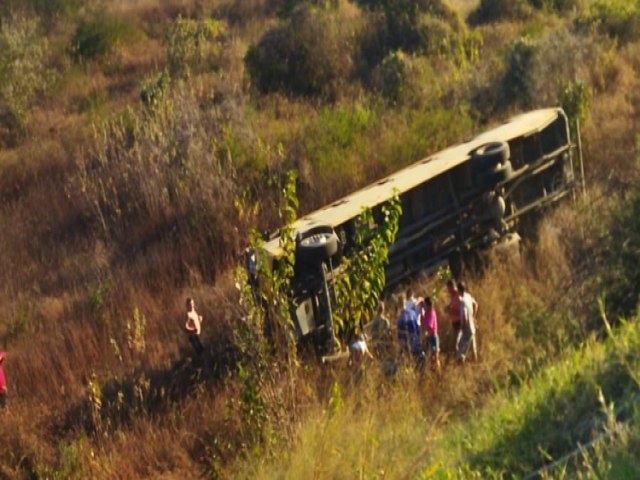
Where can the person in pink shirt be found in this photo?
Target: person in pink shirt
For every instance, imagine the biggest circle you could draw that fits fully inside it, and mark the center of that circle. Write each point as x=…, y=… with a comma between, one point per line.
x=3, y=382
x=430, y=329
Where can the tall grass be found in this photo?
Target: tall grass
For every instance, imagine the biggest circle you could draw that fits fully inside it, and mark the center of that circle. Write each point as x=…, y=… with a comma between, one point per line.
x=401, y=429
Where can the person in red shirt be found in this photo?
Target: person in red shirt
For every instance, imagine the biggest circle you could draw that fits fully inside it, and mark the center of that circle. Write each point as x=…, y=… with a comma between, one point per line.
x=3, y=382
x=453, y=311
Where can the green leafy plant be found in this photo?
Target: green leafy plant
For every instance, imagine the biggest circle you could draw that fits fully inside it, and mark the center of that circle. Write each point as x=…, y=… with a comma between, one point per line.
x=517, y=80
x=24, y=74
x=617, y=18
x=576, y=101
x=362, y=281
x=99, y=35
x=194, y=43
x=154, y=89
x=494, y=10
x=310, y=54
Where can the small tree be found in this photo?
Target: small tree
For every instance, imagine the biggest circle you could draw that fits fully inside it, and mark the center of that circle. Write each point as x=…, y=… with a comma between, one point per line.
x=360, y=287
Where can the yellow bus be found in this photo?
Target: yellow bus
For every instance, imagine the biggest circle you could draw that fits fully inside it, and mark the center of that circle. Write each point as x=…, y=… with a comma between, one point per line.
x=465, y=197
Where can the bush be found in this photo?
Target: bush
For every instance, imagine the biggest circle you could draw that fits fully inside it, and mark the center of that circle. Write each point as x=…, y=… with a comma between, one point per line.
x=616, y=18
x=48, y=10
x=537, y=71
x=576, y=101
x=559, y=6
x=194, y=44
x=495, y=10
x=310, y=54
x=517, y=79
x=23, y=74
x=407, y=24
x=100, y=35
x=390, y=75
x=154, y=89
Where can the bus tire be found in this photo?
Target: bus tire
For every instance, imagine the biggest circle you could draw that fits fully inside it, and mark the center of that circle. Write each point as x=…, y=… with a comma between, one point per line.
x=316, y=244
x=499, y=174
x=491, y=154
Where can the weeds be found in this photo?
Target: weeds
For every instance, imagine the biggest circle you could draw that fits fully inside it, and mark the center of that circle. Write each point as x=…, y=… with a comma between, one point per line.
x=100, y=35
x=194, y=44
x=24, y=75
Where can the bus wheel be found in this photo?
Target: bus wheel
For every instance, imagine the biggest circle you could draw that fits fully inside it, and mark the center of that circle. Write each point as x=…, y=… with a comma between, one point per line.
x=491, y=154
x=498, y=174
x=316, y=244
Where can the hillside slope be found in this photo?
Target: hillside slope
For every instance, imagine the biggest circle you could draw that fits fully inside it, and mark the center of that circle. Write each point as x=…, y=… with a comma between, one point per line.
x=141, y=140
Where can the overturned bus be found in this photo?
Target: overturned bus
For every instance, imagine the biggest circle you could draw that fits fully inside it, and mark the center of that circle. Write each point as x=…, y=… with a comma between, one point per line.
x=468, y=196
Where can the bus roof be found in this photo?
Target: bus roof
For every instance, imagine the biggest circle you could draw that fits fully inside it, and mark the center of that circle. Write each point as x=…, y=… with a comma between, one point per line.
x=417, y=173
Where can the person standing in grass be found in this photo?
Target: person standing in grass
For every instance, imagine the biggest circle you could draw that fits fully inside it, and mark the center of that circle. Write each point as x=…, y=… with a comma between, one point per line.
x=453, y=311
x=430, y=329
x=380, y=330
x=409, y=332
x=193, y=326
x=3, y=382
x=468, y=312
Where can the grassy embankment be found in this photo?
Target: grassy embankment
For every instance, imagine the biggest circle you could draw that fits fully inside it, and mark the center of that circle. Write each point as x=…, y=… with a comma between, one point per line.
x=122, y=192
x=401, y=431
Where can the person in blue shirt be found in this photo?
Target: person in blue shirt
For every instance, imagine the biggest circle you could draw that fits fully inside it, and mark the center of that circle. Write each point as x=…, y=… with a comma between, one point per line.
x=408, y=330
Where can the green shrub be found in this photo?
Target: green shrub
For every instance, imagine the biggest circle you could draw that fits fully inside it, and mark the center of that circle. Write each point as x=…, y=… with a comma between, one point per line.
x=100, y=35
x=407, y=25
x=23, y=74
x=576, y=101
x=154, y=89
x=537, y=71
x=617, y=18
x=310, y=54
x=494, y=10
x=287, y=7
x=390, y=75
x=193, y=43
x=333, y=134
x=559, y=6
x=47, y=9
x=517, y=80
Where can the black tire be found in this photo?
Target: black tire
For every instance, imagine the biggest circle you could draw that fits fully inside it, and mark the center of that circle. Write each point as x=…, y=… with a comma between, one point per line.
x=316, y=244
x=489, y=155
x=498, y=174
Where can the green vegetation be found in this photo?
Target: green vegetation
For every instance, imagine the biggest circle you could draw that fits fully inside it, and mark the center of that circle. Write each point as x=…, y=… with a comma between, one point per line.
x=193, y=44
x=310, y=54
x=100, y=35
x=142, y=142
x=518, y=429
x=24, y=74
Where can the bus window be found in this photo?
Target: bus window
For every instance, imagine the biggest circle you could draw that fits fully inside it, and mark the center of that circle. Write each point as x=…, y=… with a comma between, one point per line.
x=516, y=149
x=531, y=148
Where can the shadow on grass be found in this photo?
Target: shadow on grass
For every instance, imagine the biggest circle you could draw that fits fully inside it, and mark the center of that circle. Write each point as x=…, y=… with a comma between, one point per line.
x=151, y=392
x=557, y=423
